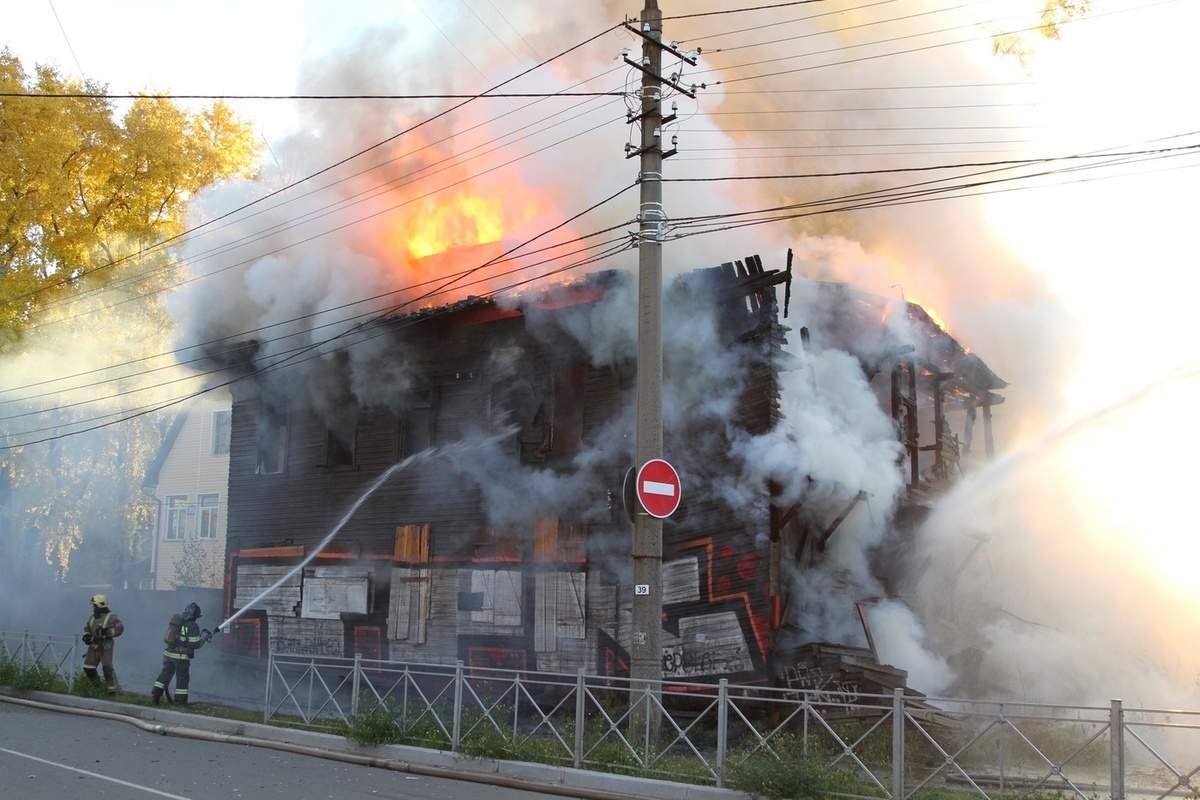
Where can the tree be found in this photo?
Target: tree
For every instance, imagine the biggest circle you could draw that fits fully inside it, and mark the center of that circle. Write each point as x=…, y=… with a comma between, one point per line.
x=83, y=191
x=91, y=204
x=198, y=565
x=1055, y=13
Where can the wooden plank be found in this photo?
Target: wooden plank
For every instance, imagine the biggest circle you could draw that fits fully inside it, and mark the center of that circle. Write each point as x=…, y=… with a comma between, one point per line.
x=571, y=605
x=545, y=613
x=293, y=551
x=254, y=579
x=329, y=592
x=412, y=544
x=681, y=581
x=545, y=540
x=501, y=590
x=712, y=644
x=400, y=604
x=306, y=637
x=408, y=605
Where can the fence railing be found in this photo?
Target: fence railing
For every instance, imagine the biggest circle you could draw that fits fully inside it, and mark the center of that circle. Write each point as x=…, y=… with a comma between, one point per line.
x=51, y=652
x=889, y=746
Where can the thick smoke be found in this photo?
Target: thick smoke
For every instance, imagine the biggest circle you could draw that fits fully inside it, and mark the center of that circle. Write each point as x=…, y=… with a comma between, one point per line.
x=967, y=614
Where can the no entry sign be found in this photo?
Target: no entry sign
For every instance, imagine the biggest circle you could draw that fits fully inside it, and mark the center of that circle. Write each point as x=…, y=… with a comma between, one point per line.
x=658, y=488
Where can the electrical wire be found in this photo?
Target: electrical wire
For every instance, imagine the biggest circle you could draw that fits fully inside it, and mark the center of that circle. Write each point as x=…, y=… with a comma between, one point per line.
x=457, y=161
x=159, y=245
x=290, y=358
x=901, y=195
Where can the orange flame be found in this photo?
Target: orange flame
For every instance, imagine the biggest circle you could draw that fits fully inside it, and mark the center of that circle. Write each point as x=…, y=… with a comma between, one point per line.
x=459, y=237
x=462, y=221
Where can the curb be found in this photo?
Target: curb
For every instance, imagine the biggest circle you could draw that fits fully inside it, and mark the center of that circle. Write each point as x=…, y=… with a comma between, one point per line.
x=403, y=758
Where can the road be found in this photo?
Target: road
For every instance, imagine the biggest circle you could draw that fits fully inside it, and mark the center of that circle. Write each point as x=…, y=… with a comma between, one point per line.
x=48, y=754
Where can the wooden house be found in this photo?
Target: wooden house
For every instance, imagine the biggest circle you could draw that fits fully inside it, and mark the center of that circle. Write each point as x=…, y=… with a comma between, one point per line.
x=478, y=511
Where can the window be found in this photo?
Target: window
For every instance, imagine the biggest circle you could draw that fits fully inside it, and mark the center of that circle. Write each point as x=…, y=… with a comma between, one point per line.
x=570, y=389
x=176, y=518
x=416, y=434
x=339, y=448
x=555, y=541
x=272, y=443
x=206, y=526
x=221, y=423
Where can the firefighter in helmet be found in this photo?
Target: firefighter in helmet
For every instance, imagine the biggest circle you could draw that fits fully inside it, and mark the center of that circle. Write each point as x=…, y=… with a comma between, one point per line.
x=183, y=638
x=98, y=633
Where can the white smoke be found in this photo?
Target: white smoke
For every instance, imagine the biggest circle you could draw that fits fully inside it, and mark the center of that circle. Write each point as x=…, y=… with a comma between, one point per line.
x=837, y=442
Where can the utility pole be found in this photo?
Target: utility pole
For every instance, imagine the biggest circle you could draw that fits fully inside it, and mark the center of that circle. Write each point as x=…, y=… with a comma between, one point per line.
x=646, y=667
x=646, y=648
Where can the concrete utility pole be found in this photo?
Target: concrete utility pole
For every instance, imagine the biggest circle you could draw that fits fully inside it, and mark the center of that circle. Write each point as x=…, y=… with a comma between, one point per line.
x=647, y=530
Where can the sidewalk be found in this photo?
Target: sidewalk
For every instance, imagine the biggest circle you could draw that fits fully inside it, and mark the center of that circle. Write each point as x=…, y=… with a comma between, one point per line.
x=401, y=758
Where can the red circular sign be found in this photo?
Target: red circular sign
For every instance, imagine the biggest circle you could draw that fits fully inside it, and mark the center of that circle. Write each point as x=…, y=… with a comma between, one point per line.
x=658, y=488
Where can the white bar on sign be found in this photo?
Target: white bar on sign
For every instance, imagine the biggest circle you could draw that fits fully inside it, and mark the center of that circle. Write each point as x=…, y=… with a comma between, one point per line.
x=655, y=487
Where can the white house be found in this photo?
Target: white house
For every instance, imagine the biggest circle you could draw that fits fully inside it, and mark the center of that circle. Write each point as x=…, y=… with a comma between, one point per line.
x=190, y=480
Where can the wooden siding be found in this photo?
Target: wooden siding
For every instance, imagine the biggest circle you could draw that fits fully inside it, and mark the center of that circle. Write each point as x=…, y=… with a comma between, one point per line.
x=439, y=581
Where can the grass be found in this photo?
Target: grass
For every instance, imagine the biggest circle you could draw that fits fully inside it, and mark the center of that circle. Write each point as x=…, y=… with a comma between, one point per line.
x=791, y=770
x=791, y=767
x=24, y=677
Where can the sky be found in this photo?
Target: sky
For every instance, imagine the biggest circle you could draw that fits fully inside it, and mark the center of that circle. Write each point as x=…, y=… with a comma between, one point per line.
x=1079, y=288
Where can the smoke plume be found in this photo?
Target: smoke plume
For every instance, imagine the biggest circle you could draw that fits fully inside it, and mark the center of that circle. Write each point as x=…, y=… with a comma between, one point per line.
x=1004, y=591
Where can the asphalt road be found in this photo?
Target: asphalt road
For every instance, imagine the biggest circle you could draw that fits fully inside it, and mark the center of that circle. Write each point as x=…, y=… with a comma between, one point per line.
x=48, y=755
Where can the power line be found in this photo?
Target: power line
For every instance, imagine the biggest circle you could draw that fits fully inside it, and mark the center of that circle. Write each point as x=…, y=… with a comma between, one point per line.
x=66, y=39
x=125, y=416
x=444, y=286
x=857, y=203
x=891, y=196
x=147, y=96
x=85, y=272
x=340, y=205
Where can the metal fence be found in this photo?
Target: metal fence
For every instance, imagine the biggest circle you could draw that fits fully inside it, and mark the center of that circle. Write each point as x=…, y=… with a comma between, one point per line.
x=888, y=746
x=53, y=653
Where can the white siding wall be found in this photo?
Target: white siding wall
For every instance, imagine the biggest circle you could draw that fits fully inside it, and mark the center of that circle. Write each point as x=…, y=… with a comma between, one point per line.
x=191, y=469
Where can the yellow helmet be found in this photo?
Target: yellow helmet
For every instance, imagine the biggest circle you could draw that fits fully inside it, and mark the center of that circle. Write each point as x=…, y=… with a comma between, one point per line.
x=100, y=600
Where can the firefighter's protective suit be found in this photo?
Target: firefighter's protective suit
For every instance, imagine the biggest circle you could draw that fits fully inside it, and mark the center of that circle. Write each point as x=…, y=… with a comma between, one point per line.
x=177, y=658
x=98, y=633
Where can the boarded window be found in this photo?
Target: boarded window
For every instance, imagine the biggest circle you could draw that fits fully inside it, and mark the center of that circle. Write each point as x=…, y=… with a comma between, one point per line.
x=560, y=609
x=554, y=542
x=497, y=544
x=412, y=544
x=253, y=583
x=408, y=605
x=501, y=591
x=329, y=592
x=368, y=643
x=545, y=539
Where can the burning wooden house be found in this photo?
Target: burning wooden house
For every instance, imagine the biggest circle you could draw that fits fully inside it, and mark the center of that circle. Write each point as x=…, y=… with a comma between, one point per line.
x=469, y=505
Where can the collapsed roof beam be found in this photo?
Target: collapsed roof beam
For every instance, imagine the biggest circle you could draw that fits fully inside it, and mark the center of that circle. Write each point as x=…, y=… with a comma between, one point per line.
x=828, y=532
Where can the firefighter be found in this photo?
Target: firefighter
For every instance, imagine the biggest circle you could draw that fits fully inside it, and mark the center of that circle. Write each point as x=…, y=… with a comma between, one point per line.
x=98, y=633
x=183, y=639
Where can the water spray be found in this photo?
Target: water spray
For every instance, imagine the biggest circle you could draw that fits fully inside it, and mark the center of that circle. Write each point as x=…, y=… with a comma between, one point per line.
x=370, y=490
